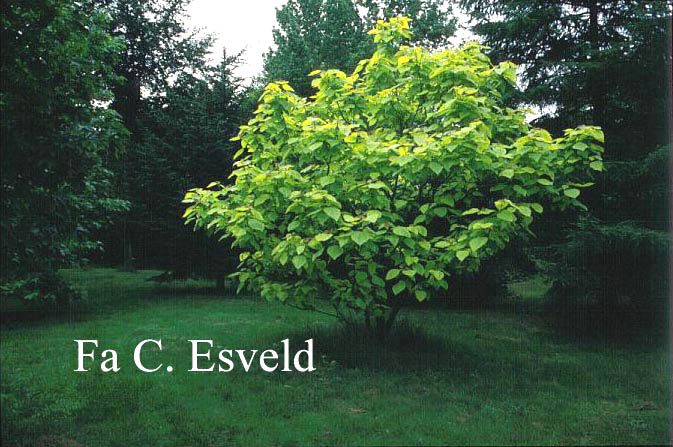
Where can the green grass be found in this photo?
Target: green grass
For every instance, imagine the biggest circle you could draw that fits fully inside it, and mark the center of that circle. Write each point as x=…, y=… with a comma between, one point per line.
x=464, y=378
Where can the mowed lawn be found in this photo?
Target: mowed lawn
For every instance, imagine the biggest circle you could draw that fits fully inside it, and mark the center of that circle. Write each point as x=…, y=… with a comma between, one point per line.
x=465, y=378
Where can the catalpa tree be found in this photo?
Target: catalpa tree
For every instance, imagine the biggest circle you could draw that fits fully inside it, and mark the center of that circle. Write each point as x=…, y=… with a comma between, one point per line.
x=379, y=188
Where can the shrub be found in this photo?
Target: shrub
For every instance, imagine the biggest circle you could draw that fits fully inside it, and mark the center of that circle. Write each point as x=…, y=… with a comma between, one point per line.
x=41, y=291
x=610, y=277
x=388, y=181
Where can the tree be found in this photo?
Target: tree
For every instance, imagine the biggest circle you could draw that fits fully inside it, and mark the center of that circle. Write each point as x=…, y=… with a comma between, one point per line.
x=184, y=141
x=609, y=63
x=57, y=139
x=611, y=276
x=333, y=34
x=598, y=61
x=390, y=181
x=314, y=33
x=159, y=48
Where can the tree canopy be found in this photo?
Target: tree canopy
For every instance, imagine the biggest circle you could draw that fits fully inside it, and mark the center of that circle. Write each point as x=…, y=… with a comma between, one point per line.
x=597, y=61
x=333, y=34
x=391, y=180
x=179, y=110
x=184, y=140
x=56, y=136
x=157, y=47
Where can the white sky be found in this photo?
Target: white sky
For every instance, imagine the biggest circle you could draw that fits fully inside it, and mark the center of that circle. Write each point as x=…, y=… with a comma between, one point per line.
x=237, y=25
x=246, y=25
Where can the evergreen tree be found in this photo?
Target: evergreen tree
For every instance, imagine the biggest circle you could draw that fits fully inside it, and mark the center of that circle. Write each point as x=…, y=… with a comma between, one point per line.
x=184, y=140
x=607, y=62
x=320, y=34
x=158, y=47
x=159, y=50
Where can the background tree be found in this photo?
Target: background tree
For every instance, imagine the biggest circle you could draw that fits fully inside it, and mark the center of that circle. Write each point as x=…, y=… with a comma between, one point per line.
x=595, y=61
x=433, y=24
x=158, y=48
x=57, y=139
x=167, y=81
x=333, y=34
x=314, y=33
x=606, y=62
x=392, y=180
x=185, y=140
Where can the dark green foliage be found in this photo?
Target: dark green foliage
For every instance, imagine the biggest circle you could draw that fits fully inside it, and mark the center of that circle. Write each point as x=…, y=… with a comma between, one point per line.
x=190, y=127
x=45, y=291
x=600, y=61
x=637, y=190
x=158, y=47
x=181, y=113
x=610, y=277
x=319, y=34
x=609, y=63
x=183, y=140
x=613, y=273
x=56, y=138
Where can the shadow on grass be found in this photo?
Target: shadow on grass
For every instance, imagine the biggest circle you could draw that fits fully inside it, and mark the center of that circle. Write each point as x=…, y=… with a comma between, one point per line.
x=178, y=289
x=600, y=329
x=407, y=348
x=102, y=300
x=499, y=363
x=36, y=315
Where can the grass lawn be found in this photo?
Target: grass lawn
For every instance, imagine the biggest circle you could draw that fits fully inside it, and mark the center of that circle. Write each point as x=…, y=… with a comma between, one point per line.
x=465, y=378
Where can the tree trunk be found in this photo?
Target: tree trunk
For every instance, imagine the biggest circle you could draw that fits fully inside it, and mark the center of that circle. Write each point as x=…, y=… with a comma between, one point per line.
x=128, y=257
x=384, y=323
x=595, y=83
x=219, y=283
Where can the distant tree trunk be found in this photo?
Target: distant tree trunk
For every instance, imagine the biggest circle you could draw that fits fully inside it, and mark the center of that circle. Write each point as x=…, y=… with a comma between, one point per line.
x=129, y=265
x=220, y=283
x=127, y=104
x=595, y=83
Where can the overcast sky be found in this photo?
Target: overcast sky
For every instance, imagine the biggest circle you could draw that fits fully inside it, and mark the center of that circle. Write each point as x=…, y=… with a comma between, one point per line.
x=237, y=25
x=244, y=25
